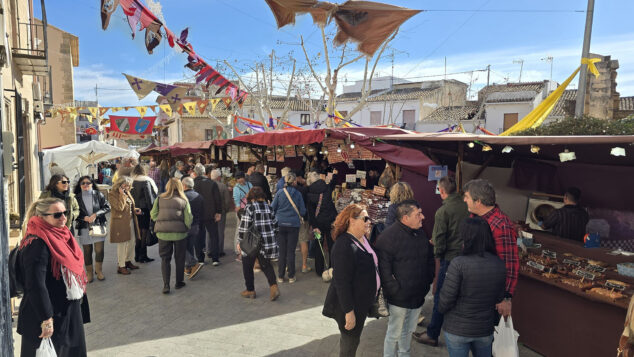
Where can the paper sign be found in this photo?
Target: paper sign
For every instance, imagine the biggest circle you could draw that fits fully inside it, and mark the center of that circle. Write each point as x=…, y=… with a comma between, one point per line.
x=351, y=178
x=363, y=182
x=549, y=254
x=361, y=174
x=436, y=172
x=584, y=274
x=272, y=170
x=379, y=191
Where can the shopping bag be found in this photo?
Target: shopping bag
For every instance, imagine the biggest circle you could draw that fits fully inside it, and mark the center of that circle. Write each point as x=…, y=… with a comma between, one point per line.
x=46, y=349
x=505, y=339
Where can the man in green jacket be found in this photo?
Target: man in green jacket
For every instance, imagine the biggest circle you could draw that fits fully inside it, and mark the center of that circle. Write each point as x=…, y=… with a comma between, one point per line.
x=447, y=245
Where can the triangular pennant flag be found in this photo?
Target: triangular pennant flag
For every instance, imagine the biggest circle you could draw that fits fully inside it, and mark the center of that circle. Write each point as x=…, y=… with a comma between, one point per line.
x=115, y=109
x=191, y=107
x=180, y=110
x=72, y=115
x=141, y=87
x=103, y=110
x=166, y=108
x=93, y=111
x=72, y=110
x=227, y=102
x=214, y=102
x=202, y=105
x=142, y=111
x=153, y=107
x=127, y=108
x=89, y=117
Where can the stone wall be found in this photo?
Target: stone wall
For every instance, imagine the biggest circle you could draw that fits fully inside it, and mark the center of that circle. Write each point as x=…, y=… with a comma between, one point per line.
x=602, y=99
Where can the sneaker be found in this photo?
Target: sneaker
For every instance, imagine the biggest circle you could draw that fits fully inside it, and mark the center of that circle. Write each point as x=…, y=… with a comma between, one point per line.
x=291, y=280
x=195, y=269
x=280, y=280
x=306, y=269
x=215, y=263
x=188, y=271
x=248, y=294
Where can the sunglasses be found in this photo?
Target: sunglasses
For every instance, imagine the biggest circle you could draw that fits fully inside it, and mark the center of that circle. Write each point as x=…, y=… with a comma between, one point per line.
x=365, y=218
x=56, y=215
x=86, y=183
x=64, y=182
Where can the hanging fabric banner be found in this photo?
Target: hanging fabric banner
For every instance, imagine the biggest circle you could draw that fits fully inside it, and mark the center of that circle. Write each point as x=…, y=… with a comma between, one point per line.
x=166, y=108
x=191, y=107
x=202, y=105
x=142, y=111
x=132, y=125
x=214, y=102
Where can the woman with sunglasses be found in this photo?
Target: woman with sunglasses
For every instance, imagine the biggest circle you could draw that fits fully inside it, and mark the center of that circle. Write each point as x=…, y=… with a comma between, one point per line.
x=355, y=281
x=54, y=304
x=93, y=208
x=59, y=187
x=124, y=227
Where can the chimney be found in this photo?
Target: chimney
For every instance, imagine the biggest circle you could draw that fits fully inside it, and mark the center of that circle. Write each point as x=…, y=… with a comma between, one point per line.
x=602, y=99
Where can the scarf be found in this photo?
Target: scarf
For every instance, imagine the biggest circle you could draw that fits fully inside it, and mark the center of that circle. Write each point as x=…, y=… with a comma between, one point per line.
x=67, y=258
x=61, y=195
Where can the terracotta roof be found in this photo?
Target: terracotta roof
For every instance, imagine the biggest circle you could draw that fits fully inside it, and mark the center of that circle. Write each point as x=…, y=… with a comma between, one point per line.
x=380, y=95
x=626, y=103
x=453, y=114
x=565, y=107
x=508, y=97
x=510, y=87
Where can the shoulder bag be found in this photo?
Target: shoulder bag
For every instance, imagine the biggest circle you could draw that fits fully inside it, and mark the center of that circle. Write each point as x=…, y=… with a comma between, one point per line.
x=252, y=242
x=301, y=219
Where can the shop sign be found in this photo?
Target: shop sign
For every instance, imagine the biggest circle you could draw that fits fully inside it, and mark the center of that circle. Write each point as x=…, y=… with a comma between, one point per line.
x=549, y=254
x=615, y=286
x=584, y=274
x=379, y=191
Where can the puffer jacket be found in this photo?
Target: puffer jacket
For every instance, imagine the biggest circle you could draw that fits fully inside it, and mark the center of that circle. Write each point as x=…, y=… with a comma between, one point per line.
x=472, y=287
x=327, y=210
x=406, y=265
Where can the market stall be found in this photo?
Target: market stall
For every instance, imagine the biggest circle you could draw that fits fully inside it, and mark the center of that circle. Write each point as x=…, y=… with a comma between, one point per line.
x=570, y=300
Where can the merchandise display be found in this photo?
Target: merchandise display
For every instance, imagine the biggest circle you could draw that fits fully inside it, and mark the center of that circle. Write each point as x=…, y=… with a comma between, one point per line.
x=377, y=206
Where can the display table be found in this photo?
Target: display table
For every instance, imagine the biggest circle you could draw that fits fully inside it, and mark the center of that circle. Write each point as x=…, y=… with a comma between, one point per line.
x=555, y=320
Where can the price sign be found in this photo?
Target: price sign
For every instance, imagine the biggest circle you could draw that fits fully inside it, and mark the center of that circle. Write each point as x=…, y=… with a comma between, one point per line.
x=539, y=267
x=584, y=274
x=615, y=286
x=379, y=191
x=361, y=174
x=595, y=268
x=572, y=262
x=272, y=170
x=351, y=178
x=549, y=254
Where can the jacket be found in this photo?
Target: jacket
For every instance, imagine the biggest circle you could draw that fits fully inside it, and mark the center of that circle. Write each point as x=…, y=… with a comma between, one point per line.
x=406, y=265
x=261, y=215
x=391, y=214
x=284, y=210
x=225, y=197
x=100, y=207
x=327, y=211
x=353, y=285
x=472, y=287
x=45, y=297
x=121, y=214
x=212, y=203
x=446, y=237
x=144, y=192
x=196, y=203
x=240, y=194
x=72, y=207
x=171, y=215
x=568, y=222
x=258, y=179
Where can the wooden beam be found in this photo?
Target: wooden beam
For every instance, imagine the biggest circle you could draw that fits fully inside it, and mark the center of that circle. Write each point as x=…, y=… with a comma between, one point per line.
x=483, y=167
x=257, y=155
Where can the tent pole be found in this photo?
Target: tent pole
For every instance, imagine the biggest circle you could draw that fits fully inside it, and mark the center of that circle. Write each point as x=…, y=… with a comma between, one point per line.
x=459, y=166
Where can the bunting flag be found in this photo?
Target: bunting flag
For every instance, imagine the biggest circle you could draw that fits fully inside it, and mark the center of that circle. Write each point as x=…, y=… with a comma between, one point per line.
x=166, y=108
x=115, y=109
x=89, y=117
x=214, y=102
x=103, y=110
x=107, y=8
x=202, y=105
x=140, y=86
x=142, y=111
x=72, y=113
x=191, y=107
x=93, y=111
x=227, y=102
x=153, y=107
x=132, y=125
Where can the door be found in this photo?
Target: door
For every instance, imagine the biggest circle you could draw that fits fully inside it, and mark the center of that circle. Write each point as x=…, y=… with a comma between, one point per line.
x=375, y=118
x=510, y=119
x=409, y=119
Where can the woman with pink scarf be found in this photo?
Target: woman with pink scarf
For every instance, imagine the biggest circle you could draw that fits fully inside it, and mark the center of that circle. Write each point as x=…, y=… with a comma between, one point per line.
x=52, y=270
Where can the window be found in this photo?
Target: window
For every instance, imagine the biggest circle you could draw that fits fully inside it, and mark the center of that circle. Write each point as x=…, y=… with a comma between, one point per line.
x=409, y=118
x=510, y=119
x=375, y=118
x=209, y=134
x=304, y=119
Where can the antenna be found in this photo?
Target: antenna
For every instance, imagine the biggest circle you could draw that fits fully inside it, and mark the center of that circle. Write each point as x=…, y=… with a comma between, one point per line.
x=521, y=63
x=549, y=59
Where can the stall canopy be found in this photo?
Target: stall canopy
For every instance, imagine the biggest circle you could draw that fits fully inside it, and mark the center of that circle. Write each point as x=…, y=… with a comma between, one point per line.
x=191, y=147
x=77, y=159
x=408, y=158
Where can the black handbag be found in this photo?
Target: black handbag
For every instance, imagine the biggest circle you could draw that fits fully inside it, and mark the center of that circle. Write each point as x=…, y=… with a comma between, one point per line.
x=150, y=236
x=252, y=242
x=379, y=308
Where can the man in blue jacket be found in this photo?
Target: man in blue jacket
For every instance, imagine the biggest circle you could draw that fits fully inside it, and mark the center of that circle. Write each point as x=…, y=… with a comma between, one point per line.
x=289, y=208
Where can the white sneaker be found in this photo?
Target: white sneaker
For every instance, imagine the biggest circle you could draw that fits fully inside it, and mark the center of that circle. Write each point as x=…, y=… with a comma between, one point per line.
x=291, y=280
x=280, y=280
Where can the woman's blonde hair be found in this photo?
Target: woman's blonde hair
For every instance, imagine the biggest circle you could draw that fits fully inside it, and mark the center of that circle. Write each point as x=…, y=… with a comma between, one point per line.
x=401, y=191
x=127, y=180
x=39, y=208
x=173, y=186
x=312, y=178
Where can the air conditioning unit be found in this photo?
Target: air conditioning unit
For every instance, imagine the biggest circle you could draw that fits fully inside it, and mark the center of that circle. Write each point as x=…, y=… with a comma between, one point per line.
x=539, y=208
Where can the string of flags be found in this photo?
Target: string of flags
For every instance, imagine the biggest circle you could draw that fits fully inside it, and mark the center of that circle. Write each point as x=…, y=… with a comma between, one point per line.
x=258, y=126
x=142, y=18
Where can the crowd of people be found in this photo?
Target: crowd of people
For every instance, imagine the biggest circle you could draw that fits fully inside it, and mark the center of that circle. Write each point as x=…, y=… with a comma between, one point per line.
x=470, y=263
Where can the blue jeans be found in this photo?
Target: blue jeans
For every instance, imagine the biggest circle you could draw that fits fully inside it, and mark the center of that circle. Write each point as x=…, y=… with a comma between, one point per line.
x=400, y=326
x=459, y=346
x=192, y=236
x=433, y=330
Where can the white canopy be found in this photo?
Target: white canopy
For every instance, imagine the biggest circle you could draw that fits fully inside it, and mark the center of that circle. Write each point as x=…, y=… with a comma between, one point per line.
x=81, y=159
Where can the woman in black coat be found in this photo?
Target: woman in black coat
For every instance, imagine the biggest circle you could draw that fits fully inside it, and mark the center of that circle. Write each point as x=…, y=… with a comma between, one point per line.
x=93, y=208
x=355, y=280
x=474, y=284
x=51, y=263
x=321, y=214
x=144, y=192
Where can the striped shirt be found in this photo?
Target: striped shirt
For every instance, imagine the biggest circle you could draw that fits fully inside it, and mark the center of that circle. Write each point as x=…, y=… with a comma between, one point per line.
x=261, y=214
x=568, y=222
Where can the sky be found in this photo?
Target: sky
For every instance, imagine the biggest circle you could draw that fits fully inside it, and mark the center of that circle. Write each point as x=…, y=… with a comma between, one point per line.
x=456, y=37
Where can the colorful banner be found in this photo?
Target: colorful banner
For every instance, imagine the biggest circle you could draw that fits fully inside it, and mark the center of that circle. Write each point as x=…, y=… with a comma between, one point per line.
x=131, y=125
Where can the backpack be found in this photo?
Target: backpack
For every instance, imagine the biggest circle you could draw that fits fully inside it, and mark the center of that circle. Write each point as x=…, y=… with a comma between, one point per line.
x=16, y=280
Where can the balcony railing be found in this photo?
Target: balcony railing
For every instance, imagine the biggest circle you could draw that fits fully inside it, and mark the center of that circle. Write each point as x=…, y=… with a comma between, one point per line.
x=30, y=50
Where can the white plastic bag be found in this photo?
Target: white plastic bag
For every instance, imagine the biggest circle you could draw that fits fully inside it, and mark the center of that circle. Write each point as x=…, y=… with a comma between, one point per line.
x=505, y=339
x=46, y=349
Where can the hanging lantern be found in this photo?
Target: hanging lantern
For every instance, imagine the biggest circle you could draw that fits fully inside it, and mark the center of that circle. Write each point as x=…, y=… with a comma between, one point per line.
x=535, y=149
x=486, y=147
x=507, y=149
x=567, y=156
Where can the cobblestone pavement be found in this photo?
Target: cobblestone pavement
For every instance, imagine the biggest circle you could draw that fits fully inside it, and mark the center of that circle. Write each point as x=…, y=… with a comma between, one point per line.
x=131, y=317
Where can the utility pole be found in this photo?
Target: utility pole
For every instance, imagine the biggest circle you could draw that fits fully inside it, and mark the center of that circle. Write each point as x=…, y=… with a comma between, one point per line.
x=521, y=62
x=581, y=92
x=549, y=59
x=488, y=74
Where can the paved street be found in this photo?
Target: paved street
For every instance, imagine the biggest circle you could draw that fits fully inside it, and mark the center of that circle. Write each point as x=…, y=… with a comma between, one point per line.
x=131, y=317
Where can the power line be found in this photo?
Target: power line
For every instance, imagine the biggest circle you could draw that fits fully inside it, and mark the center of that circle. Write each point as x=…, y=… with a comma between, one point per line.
x=506, y=11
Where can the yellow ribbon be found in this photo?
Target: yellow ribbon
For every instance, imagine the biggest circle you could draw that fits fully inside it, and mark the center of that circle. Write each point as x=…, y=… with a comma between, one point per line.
x=591, y=67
